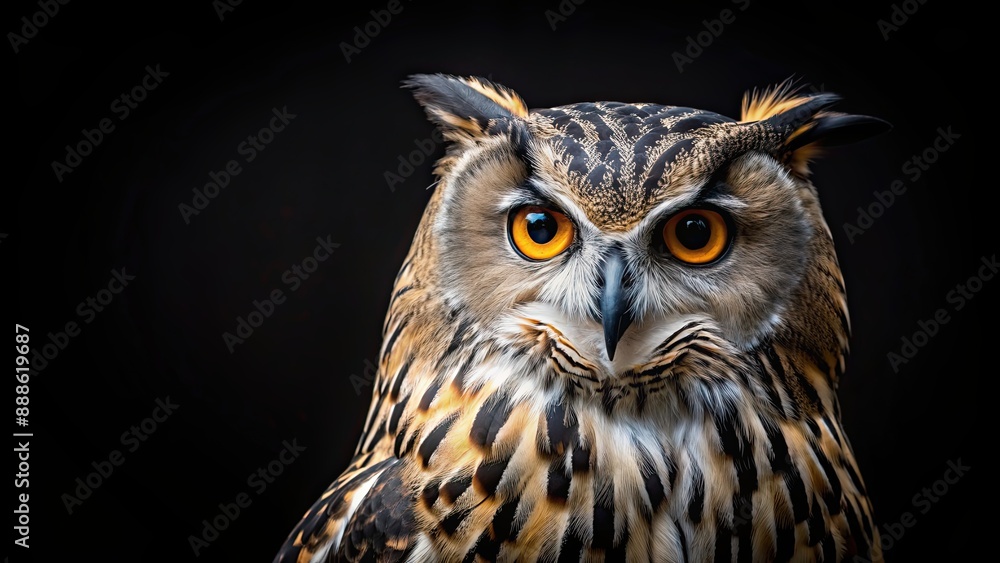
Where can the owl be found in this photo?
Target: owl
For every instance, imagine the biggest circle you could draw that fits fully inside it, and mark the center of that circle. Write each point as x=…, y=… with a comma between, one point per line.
x=617, y=336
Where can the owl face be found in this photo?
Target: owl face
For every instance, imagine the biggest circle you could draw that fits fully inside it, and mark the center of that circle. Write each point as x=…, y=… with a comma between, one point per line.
x=613, y=224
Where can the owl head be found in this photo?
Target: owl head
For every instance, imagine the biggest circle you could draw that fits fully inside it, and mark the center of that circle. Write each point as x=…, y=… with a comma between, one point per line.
x=608, y=226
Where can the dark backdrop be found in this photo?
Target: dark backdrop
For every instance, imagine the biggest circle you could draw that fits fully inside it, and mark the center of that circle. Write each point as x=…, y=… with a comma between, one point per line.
x=323, y=175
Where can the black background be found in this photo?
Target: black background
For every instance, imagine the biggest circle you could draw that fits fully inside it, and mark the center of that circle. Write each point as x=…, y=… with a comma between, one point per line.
x=324, y=175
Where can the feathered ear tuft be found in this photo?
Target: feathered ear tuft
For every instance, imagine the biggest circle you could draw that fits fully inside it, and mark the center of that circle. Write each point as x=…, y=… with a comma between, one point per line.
x=805, y=123
x=758, y=106
x=465, y=107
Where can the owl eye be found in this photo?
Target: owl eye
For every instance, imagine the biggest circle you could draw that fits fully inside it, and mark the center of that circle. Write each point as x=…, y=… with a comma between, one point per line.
x=696, y=236
x=538, y=233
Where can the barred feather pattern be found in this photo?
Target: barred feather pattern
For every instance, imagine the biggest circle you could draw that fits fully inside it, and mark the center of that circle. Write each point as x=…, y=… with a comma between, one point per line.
x=503, y=440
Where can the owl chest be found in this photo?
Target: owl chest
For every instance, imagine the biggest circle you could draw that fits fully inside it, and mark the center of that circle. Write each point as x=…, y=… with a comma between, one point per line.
x=520, y=472
x=606, y=490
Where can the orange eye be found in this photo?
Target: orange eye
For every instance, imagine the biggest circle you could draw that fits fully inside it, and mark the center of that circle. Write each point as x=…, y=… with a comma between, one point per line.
x=696, y=236
x=538, y=233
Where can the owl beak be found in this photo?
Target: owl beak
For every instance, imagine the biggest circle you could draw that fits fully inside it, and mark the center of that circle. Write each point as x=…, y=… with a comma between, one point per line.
x=615, y=311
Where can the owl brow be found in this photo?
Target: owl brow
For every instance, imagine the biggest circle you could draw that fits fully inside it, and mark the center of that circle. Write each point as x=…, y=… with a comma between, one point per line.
x=716, y=188
x=714, y=192
x=529, y=191
x=718, y=193
x=523, y=193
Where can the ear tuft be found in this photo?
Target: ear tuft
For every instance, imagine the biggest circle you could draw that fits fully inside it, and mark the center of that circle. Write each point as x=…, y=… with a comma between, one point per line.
x=464, y=107
x=502, y=95
x=780, y=98
x=832, y=129
x=806, y=123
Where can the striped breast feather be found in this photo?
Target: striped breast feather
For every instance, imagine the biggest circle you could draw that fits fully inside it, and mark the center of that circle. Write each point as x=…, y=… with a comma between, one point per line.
x=363, y=513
